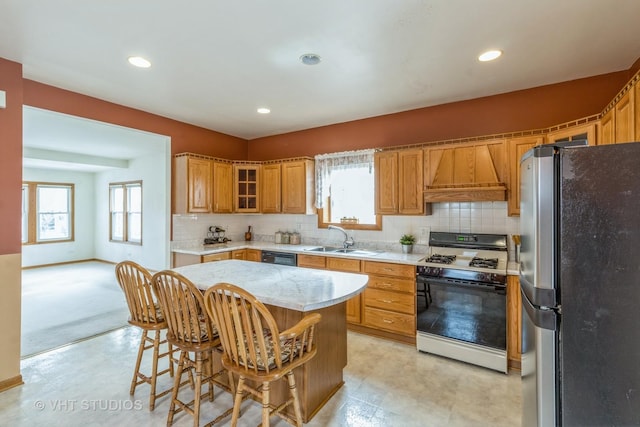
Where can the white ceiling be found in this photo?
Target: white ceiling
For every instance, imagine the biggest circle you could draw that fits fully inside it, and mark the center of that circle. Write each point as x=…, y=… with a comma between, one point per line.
x=215, y=62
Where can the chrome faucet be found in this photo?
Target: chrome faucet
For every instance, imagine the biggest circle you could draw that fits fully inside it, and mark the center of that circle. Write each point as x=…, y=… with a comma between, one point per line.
x=348, y=241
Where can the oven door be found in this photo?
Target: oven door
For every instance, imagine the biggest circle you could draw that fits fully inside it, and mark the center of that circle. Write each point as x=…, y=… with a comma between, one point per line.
x=463, y=321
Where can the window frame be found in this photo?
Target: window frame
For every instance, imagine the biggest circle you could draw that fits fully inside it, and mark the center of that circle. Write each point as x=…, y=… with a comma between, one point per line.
x=32, y=212
x=125, y=186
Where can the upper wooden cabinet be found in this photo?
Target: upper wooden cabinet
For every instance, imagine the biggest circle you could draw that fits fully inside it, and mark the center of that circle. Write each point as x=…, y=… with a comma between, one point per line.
x=607, y=132
x=298, y=187
x=399, y=182
x=193, y=184
x=386, y=182
x=270, y=188
x=636, y=110
x=222, y=187
x=466, y=172
x=246, y=181
x=572, y=133
x=625, y=117
x=516, y=148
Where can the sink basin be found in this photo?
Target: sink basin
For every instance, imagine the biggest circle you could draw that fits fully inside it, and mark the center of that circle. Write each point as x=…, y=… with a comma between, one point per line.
x=324, y=249
x=335, y=250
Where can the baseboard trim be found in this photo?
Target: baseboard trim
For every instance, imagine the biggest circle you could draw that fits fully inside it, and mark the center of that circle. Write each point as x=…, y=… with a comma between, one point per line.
x=68, y=262
x=10, y=383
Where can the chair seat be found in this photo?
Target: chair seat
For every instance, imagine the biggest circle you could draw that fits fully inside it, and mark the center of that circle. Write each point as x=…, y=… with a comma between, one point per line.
x=287, y=350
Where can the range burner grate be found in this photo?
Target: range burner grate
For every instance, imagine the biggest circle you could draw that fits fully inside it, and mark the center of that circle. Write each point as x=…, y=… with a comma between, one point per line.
x=484, y=262
x=441, y=259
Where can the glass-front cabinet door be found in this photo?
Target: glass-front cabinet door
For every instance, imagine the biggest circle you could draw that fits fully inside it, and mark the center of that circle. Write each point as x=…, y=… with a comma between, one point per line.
x=246, y=181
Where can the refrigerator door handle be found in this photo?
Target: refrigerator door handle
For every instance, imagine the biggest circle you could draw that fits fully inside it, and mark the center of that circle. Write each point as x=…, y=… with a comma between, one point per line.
x=545, y=318
x=539, y=297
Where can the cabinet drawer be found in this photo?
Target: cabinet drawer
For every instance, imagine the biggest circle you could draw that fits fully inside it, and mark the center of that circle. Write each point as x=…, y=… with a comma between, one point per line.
x=392, y=284
x=390, y=321
x=216, y=257
x=389, y=269
x=341, y=264
x=311, y=261
x=239, y=254
x=394, y=301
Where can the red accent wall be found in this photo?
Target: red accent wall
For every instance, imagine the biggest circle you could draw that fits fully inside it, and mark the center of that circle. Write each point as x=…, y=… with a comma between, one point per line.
x=184, y=137
x=536, y=108
x=11, y=158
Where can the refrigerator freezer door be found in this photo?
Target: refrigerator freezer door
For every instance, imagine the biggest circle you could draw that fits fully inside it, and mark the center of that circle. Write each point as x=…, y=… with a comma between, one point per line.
x=599, y=282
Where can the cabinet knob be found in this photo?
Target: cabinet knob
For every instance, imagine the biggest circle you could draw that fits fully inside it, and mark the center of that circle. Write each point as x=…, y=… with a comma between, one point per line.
x=387, y=321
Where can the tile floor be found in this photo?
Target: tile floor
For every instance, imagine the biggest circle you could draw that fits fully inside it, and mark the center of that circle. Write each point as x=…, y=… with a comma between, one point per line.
x=386, y=384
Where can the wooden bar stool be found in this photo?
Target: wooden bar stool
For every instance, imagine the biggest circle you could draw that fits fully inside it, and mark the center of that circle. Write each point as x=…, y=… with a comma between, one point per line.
x=144, y=313
x=190, y=330
x=255, y=350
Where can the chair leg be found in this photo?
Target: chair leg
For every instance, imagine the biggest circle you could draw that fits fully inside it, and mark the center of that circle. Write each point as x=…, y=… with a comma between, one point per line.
x=265, y=403
x=154, y=370
x=176, y=388
x=198, y=389
x=294, y=394
x=237, y=402
x=134, y=381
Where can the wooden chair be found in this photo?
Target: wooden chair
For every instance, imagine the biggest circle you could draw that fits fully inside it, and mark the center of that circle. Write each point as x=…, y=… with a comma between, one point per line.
x=144, y=313
x=190, y=330
x=255, y=350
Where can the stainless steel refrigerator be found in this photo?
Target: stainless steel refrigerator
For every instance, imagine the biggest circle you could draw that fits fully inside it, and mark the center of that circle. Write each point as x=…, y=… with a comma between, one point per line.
x=580, y=281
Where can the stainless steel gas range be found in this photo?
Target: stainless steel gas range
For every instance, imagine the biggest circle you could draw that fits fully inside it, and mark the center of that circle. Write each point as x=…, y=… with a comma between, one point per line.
x=462, y=303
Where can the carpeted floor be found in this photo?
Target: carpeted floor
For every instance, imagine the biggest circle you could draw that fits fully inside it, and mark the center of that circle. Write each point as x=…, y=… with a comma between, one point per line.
x=66, y=303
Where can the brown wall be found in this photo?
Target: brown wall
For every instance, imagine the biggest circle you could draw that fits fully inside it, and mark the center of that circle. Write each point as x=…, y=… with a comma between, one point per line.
x=11, y=158
x=184, y=137
x=529, y=109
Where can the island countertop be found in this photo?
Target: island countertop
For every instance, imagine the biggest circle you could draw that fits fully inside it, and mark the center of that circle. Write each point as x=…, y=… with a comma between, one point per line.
x=295, y=288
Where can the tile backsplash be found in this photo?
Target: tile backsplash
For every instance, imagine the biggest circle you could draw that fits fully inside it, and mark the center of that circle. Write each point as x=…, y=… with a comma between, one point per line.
x=466, y=217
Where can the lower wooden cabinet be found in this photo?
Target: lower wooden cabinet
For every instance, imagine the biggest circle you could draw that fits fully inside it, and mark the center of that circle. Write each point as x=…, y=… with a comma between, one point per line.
x=180, y=259
x=254, y=255
x=216, y=257
x=514, y=322
x=390, y=299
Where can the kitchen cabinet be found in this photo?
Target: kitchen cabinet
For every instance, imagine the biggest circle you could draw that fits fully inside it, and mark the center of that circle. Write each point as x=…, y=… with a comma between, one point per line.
x=389, y=300
x=353, y=305
x=572, y=133
x=466, y=172
x=254, y=255
x=270, y=188
x=636, y=110
x=607, y=132
x=222, y=187
x=516, y=149
x=298, y=187
x=514, y=322
x=386, y=182
x=240, y=254
x=246, y=181
x=625, y=118
x=193, y=184
x=180, y=259
x=399, y=182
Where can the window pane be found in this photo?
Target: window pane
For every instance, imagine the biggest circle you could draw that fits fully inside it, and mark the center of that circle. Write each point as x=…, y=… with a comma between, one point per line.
x=53, y=212
x=117, y=199
x=53, y=226
x=352, y=195
x=135, y=198
x=53, y=199
x=135, y=227
x=117, y=226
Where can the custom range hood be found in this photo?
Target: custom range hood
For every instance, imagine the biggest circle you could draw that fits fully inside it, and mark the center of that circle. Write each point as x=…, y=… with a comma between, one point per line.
x=472, y=173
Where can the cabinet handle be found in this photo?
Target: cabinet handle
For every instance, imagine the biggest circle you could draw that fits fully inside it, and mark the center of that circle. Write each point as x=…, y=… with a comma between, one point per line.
x=386, y=285
x=387, y=269
x=387, y=321
x=386, y=301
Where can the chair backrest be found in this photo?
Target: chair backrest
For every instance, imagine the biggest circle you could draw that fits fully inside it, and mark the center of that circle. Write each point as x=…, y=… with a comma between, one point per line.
x=249, y=334
x=135, y=282
x=182, y=306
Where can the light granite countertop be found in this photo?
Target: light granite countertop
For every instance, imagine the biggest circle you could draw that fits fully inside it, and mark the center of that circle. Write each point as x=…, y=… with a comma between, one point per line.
x=382, y=256
x=295, y=288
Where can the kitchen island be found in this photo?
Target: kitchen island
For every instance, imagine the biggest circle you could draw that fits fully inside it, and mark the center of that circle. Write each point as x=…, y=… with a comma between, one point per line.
x=290, y=293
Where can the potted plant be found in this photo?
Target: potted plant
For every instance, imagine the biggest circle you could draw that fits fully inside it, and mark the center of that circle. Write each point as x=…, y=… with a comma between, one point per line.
x=407, y=241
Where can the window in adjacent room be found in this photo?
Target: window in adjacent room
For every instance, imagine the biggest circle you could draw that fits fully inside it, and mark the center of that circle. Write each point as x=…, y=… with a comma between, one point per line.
x=125, y=207
x=47, y=212
x=345, y=190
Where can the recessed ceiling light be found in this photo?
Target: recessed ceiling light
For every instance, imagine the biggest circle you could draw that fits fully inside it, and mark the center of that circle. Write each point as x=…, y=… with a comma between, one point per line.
x=489, y=55
x=310, y=59
x=139, y=61
x=263, y=110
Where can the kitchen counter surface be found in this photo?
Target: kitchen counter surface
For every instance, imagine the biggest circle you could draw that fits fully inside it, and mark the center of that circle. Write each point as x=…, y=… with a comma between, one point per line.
x=288, y=287
x=395, y=257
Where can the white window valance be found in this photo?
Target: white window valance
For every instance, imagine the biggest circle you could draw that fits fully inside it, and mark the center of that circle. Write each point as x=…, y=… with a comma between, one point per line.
x=325, y=163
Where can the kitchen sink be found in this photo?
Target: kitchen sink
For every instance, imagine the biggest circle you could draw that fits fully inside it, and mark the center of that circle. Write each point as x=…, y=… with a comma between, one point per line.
x=335, y=250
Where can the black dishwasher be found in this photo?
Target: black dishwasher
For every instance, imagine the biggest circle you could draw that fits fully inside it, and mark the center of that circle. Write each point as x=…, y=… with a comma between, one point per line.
x=282, y=258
